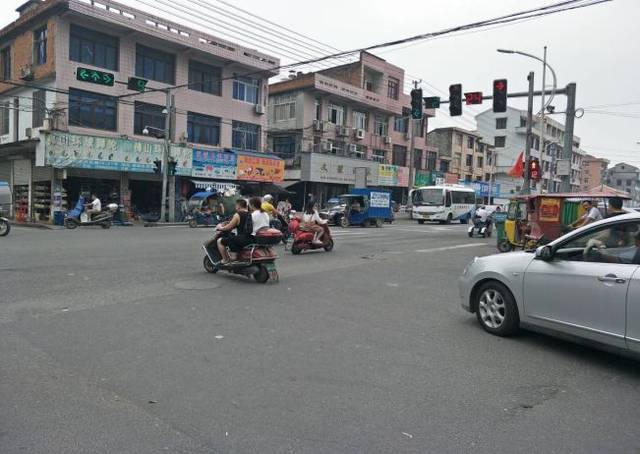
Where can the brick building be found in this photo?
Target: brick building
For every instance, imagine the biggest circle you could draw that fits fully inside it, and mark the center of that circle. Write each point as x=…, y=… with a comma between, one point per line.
x=594, y=171
x=64, y=135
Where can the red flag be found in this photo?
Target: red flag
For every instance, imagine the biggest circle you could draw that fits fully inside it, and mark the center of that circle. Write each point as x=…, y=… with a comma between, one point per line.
x=517, y=171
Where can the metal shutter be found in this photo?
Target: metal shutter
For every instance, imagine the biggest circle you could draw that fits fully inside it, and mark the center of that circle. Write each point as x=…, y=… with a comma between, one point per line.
x=21, y=171
x=5, y=171
x=42, y=173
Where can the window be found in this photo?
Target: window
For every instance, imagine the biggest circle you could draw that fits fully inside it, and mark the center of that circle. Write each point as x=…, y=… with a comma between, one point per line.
x=147, y=115
x=459, y=139
x=360, y=152
x=284, y=146
x=318, y=105
x=360, y=120
x=469, y=161
x=393, y=88
x=92, y=110
x=5, y=61
x=284, y=107
x=379, y=155
x=612, y=244
x=444, y=166
x=203, y=129
x=500, y=141
x=40, y=46
x=381, y=128
x=155, y=64
x=470, y=141
x=93, y=48
x=4, y=118
x=463, y=197
x=480, y=162
x=431, y=160
x=417, y=159
x=205, y=78
x=399, y=156
x=629, y=182
x=523, y=122
x=246, y=90
x=501, y=123
x=245, y=136
x=401, y=124
x=336, y=114
x=618, y=182
x=39, y=108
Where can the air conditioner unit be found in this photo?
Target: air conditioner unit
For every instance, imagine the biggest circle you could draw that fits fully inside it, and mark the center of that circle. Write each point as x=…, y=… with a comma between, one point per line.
x=259, y=109
x=26, y=72
x=326, y=146
x=387, y=140
x=324, y=126
x=46, y=124
x=359, y=134
x=28, y=132
x=343, y=131
x=353, y=148
x=407, y=136
x=317, y=125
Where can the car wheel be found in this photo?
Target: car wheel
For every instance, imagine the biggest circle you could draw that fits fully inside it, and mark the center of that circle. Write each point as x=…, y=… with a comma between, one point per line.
x=5, y=228
x=344, y=222
x=496, y=309
x=420, y=221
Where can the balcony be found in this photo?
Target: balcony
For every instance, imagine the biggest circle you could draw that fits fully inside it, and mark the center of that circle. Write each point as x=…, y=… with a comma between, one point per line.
x=356, y=94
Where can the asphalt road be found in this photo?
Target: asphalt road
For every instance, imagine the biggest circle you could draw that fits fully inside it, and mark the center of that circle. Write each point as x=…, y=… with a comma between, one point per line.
x=117, y=341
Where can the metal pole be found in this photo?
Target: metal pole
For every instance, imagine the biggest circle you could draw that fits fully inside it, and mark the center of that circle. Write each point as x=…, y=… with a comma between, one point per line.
x=526, y=185
x=413, y=123
x=567, y=149
x=542, y=148
x=165, y=158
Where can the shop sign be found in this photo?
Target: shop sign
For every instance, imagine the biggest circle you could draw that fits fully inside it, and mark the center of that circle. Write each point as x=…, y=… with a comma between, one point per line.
x=64, y=150
x=258, y=168
x=214, y=164
x=482, y=188
x=428, y=177
x=549, y=209
x=391, y=175
x=333, y=169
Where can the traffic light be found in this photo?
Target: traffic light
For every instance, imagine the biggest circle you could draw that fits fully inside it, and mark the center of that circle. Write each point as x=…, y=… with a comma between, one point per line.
x=455, y=100
x=500, y=95
x=157, y=166
x=416, y=103
x=534, y=169
x=171, y=167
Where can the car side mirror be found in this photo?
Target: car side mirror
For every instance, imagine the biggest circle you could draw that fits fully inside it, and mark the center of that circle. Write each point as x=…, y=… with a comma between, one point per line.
x=544, y=253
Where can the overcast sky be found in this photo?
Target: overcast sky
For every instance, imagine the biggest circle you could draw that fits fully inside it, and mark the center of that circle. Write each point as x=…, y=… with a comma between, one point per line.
x=594, y=47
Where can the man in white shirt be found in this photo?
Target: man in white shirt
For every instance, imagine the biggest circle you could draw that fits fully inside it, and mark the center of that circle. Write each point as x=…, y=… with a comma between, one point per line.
x=96, y=206
x=482, y=213
x=592, y=214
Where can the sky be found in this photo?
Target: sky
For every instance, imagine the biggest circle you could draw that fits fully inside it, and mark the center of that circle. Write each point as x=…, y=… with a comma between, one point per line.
x=593, y=47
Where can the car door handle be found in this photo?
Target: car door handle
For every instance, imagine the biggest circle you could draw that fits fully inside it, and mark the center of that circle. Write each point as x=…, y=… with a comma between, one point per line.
x=612, y=278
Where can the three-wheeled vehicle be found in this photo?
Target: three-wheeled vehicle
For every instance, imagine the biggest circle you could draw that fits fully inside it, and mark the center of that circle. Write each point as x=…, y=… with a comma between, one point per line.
x=534, y=220
x=367, y=207
x=204, y=208
x=5, y=203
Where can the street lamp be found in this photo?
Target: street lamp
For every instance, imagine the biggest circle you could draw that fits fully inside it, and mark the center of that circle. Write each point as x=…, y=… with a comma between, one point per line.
x=543, y=106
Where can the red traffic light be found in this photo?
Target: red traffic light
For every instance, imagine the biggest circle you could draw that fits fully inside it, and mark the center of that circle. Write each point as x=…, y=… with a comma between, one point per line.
x=500, y=85
x=534, y=169
x=474, y=97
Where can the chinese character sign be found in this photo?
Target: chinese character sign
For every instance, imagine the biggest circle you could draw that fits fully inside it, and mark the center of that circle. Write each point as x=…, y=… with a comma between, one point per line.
x=214, y=164
x=257, y=168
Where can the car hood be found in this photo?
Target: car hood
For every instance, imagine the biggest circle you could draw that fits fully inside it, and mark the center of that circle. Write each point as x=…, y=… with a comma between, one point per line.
x=508, y=262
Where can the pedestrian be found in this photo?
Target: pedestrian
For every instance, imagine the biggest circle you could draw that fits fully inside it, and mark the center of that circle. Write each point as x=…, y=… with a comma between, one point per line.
x=614, y=207
x=592, y=214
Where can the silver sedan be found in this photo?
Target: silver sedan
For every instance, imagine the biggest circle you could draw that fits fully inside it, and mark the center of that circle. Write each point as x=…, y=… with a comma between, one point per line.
x=584, y=285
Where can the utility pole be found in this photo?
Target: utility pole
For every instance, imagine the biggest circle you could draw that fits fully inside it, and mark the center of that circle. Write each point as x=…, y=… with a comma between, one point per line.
x=165, y=157
x=172, y=178
x=567, y=149
x=526, y=185
x=413, y=124
x=542, y=148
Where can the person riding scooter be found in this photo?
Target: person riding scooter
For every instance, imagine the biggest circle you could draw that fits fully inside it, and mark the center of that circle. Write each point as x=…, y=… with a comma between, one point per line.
x=313, y=222
x=96, y=206
x=241, y=222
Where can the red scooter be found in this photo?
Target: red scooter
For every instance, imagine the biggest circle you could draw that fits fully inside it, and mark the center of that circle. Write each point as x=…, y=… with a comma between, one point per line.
x=303, y=240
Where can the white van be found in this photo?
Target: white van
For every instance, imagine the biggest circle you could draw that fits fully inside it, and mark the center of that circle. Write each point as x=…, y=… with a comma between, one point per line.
x=442, y=203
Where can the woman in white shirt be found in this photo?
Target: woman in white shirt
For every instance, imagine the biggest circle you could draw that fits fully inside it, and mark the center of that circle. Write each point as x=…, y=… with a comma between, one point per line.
x=313, y=222
x=259, y=218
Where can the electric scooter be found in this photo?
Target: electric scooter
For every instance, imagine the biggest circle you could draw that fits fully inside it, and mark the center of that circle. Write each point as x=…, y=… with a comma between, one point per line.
x=78, y=217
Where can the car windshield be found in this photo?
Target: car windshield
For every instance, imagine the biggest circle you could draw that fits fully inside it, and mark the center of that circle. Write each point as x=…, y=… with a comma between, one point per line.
x=428, y=197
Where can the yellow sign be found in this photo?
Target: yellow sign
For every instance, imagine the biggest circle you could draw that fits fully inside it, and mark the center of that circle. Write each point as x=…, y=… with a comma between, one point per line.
x=256, y=168
x=549, y=210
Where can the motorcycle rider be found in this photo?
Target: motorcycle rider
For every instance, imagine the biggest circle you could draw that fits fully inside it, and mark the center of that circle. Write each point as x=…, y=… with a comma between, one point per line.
x=313, y=222
x=96, y=206
x=267, y=206
x=242, y=222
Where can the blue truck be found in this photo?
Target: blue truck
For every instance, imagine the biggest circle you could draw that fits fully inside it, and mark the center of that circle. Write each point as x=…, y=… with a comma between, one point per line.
x=367, y=207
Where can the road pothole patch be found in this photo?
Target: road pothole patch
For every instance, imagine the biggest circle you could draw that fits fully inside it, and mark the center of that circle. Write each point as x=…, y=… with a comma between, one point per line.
x=196, y=285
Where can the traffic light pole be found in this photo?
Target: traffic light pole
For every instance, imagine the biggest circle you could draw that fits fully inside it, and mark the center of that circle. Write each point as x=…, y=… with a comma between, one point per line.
x=413, y=124
x=526, y=185
x=567, y=148
x=165, y=158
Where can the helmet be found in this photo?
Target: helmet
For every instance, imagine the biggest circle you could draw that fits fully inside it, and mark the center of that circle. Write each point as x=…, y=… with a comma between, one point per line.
x=267, y=198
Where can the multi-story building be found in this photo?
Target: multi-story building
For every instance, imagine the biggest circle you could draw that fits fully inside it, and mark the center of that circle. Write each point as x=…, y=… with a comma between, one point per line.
x=508, y=132
x=70, y=124
x=625, y=177
x=327, y=123
x=594, y=171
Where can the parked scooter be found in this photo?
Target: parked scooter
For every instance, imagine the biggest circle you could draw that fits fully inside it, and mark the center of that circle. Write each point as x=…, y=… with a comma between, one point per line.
x=78, y=216
x=303, y=240
x=478, y=227
x=257, y=260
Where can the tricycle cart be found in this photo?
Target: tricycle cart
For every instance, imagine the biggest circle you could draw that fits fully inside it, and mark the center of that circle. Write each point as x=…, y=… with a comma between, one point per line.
x=367, y=207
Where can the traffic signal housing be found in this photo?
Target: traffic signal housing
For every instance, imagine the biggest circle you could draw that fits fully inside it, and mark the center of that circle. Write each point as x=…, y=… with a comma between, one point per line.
x=137, y=84
x=534, y=169
x=157, y=166
x=416, y=103
x=500, y=95
x=171, y=167
x=455, y=100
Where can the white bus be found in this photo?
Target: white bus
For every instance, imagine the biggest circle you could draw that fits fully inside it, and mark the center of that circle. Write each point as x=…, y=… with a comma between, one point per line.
x=443, y=204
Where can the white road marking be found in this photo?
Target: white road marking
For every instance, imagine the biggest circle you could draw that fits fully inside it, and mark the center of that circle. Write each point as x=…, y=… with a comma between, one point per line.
x=458, y=246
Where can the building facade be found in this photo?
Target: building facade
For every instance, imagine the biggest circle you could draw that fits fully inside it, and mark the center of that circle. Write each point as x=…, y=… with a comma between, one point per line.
x=71, y=124
x=594, y=171
x=325, y=124
x=508, y=133
x=625, y=177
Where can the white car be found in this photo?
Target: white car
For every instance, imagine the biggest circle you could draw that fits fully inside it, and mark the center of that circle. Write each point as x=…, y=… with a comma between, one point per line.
x=584, y=285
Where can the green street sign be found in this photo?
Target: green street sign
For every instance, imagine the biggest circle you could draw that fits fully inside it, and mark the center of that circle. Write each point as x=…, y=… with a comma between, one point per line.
x=95, y=77
x=432, y=102
x=137, y=84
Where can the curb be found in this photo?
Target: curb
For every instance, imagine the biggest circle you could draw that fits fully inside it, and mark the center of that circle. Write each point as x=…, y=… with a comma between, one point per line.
x=35, y=225
x=165, y=224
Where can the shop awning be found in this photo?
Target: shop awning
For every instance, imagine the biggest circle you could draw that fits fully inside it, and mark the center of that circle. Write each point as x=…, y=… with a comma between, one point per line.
x=260, y=188
x=217, y=185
